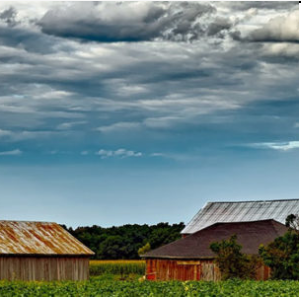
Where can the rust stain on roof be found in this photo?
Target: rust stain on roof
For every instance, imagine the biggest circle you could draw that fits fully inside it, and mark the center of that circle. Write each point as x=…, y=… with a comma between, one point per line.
x=38, y=238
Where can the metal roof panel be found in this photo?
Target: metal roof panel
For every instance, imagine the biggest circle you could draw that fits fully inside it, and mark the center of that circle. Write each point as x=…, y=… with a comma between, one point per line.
x=38, y=238
x=237, y=211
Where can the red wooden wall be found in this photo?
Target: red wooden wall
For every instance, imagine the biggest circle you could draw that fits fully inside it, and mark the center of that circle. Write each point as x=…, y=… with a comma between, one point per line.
x=164, y=269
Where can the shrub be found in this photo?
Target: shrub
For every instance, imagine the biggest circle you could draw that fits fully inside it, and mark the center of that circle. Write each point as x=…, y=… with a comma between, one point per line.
x=282, y=255
x=144, y=249
x=232, y=262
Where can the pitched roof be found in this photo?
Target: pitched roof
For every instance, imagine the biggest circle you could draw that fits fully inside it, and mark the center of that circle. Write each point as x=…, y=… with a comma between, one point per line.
x=197, y=246
x=214, y=212
x=38, y=238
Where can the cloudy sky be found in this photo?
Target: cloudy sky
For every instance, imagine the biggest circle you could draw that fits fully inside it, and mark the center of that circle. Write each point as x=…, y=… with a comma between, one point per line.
x=140, y=112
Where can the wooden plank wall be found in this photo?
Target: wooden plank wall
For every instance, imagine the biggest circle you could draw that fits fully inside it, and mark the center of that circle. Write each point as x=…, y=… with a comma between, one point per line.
x=44, y=268
x=161, y=269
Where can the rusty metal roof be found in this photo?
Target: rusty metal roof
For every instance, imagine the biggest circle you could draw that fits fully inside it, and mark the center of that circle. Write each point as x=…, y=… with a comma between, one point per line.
x=197, y=246
x=238, y=211
x=38, y=238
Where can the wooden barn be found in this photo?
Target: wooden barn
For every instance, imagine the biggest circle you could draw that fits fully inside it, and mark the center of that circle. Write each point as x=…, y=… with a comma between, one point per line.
x=41, y=251
x=191, y=258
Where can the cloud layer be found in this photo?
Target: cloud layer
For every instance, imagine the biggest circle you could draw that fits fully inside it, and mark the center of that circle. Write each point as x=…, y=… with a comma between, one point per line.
x=82, y=75
x=281, y=146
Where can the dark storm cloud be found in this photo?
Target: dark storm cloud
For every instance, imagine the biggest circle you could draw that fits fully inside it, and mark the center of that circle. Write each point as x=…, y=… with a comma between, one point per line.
x=8, y=16
x=133, y=22
x=31, y=41
x=271, y=5
x=218, y=26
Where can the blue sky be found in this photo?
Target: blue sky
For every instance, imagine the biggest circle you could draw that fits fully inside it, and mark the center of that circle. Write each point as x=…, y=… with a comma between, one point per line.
x=140, y=112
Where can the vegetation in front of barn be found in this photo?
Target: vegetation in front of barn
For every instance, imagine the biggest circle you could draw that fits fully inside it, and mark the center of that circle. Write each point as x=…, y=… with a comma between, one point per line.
x=281, y=255
x=106, y=288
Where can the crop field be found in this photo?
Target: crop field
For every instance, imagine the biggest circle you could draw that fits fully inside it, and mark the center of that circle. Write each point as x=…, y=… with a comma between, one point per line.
x=108, y=287
x=117, y=267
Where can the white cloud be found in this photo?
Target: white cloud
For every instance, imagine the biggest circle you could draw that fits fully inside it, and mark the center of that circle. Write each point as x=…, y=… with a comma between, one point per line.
x=121, y=126
x=11, y=153
x=123, y=153
x=280, y=28
x=84, y=153
x=281, y=146
x=5, y=133
x=69, y=125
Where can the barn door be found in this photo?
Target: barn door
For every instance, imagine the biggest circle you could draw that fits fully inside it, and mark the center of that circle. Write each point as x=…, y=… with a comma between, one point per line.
x=188, y=270
x=209, y=271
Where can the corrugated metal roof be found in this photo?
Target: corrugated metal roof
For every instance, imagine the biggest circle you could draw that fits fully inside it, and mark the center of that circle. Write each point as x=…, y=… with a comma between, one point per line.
x=238, y=211
x=197, y=246
x=38, y=238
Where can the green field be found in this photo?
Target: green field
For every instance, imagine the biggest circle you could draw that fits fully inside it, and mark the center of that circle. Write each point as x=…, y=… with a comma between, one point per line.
x=109, y=287
x=117, y=267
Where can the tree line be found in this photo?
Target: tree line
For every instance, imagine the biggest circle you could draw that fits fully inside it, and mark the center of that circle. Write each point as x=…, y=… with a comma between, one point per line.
x=123, y=242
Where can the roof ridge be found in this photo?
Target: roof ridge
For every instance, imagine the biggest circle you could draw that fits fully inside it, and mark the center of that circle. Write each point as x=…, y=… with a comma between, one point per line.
x=244, y=201
x=240, y=222
x=23, y=221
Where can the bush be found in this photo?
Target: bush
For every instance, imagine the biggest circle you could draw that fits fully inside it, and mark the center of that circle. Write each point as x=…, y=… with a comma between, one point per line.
x=231, y=262
x=282, y=255
x=144, y=249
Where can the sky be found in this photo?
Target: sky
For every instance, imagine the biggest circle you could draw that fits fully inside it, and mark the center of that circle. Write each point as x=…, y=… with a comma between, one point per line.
x=117, y=113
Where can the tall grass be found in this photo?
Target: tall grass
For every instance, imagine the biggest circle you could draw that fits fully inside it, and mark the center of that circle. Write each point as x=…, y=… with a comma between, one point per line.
x=117, y=267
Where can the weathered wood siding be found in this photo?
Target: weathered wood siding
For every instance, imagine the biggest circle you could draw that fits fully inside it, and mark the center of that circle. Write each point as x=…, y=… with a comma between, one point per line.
x=162, y=269
x=44, y=268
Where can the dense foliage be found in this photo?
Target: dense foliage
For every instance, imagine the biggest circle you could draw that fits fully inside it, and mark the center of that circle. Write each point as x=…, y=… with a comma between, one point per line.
x=108, y=288
x=117, y=267
x=282, y=255
x=143, y=250
x=124, y=242
x=232, y=262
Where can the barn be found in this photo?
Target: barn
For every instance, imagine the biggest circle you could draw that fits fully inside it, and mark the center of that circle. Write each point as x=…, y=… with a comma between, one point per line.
x=41, y=251
x=190, y=258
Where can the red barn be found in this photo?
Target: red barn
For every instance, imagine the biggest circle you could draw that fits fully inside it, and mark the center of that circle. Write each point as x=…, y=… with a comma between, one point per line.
x=191, y=258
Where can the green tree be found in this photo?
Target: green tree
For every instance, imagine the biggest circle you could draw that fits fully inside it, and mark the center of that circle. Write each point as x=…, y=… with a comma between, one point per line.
x=124, y=241
x=111, y=248
x=144, y=249
x=282, y=255
x=232, y=262
x=292, y=222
